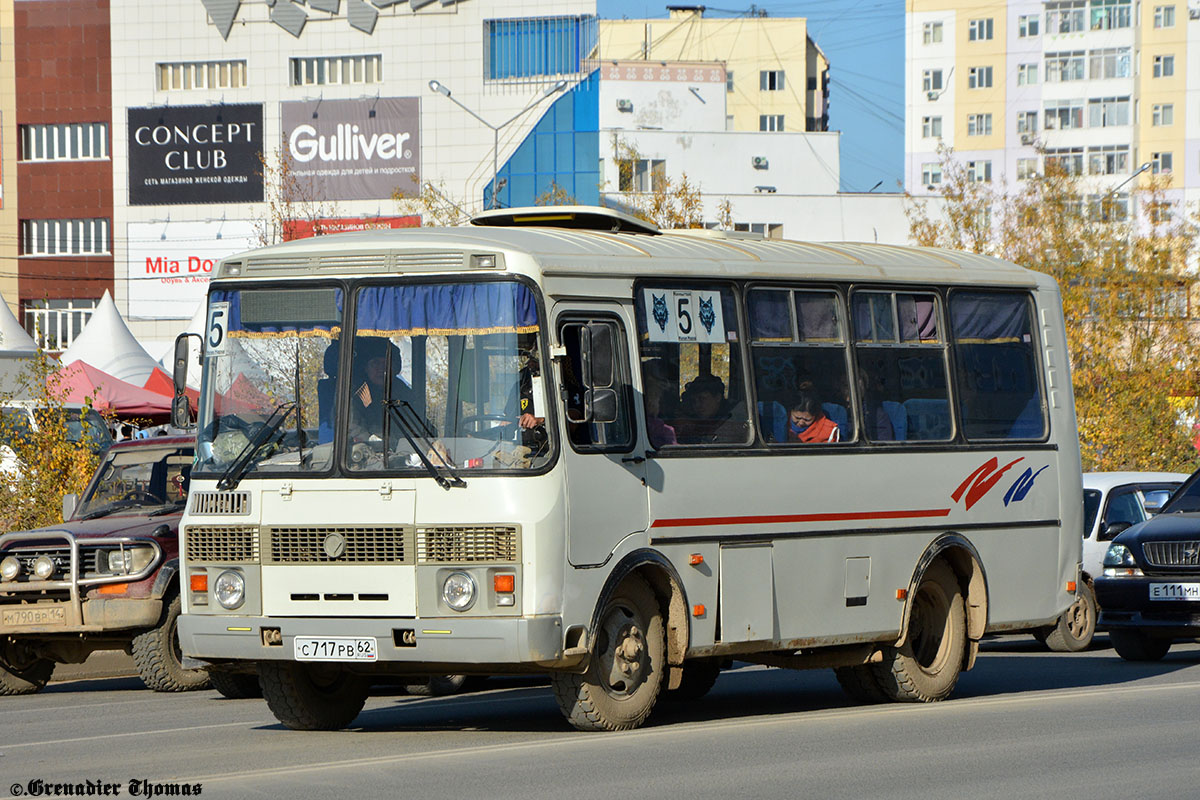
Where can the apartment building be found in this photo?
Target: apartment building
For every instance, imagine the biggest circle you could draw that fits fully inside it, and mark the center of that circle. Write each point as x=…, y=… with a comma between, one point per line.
x=776, y=77
x=1099, y=86
x=8, y=158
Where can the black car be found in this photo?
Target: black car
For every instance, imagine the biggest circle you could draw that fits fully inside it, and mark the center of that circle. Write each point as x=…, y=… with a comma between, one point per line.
x=1149, y=591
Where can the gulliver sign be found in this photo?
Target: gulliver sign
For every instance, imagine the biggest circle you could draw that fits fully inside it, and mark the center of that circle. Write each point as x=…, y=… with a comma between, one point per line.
x=353, y=149
x=195, y=154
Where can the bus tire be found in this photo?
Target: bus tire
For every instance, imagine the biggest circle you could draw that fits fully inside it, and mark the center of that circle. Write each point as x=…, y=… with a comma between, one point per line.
x=22, y=671
x=1137, y=646
x=236, y=685
x=1076, y=626
x=438, y=686
x=698, y=679
x=926, y=667
x=860, y=684
x=308, y=698
x=625, y=672
x=159, y=659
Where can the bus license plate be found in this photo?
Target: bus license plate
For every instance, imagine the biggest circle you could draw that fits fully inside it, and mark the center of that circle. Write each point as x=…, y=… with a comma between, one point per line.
x=335, y=648
x=1175, y=591
x=49, y=615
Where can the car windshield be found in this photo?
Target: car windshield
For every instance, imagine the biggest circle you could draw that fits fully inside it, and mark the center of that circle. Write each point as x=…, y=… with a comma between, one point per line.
x=1186, y=499
x=1091, y=507
x=139, y=480
x=431, y=378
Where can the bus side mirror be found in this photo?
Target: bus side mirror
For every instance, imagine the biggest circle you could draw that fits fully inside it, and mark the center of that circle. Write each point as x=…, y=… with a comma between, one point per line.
x=181, y=411
x=596, y=350
x=600, y=405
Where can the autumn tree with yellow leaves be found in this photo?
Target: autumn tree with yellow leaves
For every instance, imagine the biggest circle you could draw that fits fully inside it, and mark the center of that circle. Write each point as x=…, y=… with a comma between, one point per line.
x=1126, y=282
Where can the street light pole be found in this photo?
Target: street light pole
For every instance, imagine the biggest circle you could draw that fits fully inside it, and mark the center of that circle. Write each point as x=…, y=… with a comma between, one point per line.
x=444, y=90
x=1139, y=171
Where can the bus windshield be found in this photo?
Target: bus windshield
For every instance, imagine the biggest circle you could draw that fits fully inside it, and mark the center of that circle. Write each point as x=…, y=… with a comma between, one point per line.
x=387, y=377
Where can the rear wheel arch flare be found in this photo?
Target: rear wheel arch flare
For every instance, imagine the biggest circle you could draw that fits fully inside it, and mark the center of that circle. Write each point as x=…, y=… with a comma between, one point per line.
x=654, y=568
x=962, y=557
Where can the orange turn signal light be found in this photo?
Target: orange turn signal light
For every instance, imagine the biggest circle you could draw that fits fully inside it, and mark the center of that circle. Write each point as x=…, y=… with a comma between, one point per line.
x=113, y=588
x=698, y=610
x=504, y=584
x=1071, y=587
x=902, y=594
x=695, y=559
x=199, y=581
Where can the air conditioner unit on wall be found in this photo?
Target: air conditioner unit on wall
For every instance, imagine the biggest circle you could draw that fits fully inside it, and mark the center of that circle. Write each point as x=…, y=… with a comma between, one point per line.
x=625, y=105
x=932, y=95
x=760, y=162
x=1026, y=138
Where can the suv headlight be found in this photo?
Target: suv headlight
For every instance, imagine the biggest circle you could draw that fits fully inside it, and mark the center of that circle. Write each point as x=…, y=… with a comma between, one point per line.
x=1119, y=561
x=128, y=560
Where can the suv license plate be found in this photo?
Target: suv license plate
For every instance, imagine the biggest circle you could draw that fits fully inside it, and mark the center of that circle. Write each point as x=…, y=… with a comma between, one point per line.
x=1175, y=591
x=33, y=615
x=335, y=648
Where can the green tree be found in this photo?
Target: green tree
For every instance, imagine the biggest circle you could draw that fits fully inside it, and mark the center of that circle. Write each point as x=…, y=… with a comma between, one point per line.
x=1125, y=281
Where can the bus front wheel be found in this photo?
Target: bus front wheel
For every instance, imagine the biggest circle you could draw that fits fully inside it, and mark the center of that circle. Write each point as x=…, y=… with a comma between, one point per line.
x=926, y=667
x=626, y=669
x=312, y=697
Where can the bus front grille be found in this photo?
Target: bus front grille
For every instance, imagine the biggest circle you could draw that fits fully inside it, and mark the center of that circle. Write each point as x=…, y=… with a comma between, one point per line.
x=231, y=503
x=222, y=543
x=466, y=544
x=339, y=544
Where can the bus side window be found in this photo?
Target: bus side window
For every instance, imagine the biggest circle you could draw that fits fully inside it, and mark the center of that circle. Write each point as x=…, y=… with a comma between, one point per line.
x=584, y=433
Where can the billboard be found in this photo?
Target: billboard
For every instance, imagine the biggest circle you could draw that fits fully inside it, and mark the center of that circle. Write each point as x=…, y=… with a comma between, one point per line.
x=353, y=149
x=170, y=263
x=305, y=228
x=195, y=154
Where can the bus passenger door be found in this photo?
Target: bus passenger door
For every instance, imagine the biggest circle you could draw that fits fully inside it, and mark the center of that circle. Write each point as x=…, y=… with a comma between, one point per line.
x=606, y=494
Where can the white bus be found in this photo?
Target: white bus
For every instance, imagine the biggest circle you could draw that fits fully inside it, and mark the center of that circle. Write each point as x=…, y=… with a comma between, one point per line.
x=563, y=441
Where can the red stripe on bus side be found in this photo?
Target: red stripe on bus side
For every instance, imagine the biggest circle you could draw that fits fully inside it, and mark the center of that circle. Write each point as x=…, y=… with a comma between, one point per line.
x=848, y=516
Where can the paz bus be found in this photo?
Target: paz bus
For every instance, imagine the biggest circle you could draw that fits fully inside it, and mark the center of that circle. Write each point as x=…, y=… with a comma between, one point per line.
x=563, y=441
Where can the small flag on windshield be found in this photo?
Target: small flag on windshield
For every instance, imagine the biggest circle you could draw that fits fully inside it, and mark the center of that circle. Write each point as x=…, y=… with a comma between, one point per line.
x=364, y=394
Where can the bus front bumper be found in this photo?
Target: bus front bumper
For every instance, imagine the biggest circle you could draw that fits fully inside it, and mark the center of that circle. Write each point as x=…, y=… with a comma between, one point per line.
x=472, y=644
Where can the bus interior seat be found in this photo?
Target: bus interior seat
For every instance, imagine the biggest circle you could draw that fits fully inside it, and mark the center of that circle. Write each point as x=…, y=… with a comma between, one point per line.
x=1029, y=423
x=772, y=420
x=899, y=419
x=840, y=418
x=928, y=418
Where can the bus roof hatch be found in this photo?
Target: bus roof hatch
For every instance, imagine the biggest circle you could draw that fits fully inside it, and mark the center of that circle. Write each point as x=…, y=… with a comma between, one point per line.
x=592, y=218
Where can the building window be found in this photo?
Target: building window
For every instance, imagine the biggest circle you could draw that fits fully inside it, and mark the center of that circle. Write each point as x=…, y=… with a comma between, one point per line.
x=932, y=32
x=641, y=174
x=326, y=70
x=931, y=174
x=931, y=127
x=1110, y=62
x=1164, y=66
x=729, y=80
x=771, y=122
x=184, y=75
x=1027, y=122
x=54, y=324
x=1164, y=16
x=1110, y=159
x=1064, y=114
x=67, y=142
x=979, y=30
x=1067, y=159
x=1110, y=14
x=979, y=125
x=1105, y=112
x=1027, y=25
x=54, y=237
x=1026, y=168
x=1061, y=67
x=979, y=171
x=534, y=47
x=770, y=80
x=1163, y=114
x=931, y=80
x=979, y=78
x=1027, y=74
x=1065, y=16
x=1110, y=206
x=1160, y=162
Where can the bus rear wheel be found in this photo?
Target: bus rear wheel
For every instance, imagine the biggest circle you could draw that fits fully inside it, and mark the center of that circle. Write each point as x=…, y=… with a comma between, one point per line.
x=312, y=698
x=625, y=672
x=926, y=667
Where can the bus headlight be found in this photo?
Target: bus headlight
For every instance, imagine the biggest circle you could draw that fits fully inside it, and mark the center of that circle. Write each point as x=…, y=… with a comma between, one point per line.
x=458, y=591
x=230, y=589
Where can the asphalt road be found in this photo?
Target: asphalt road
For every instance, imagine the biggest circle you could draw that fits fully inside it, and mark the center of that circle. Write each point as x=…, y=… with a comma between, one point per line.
x=1023, y=723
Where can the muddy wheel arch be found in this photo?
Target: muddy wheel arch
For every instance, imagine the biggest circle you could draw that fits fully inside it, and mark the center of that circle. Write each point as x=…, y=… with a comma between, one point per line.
x=962, y=557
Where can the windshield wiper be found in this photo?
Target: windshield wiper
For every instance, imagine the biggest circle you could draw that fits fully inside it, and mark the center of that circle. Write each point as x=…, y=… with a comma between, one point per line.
x=241, y=464
x=410, y=432
x=108, y=508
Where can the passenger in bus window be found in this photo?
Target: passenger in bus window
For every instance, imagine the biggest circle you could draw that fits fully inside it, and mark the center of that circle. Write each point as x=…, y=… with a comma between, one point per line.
x=807, y=422
x=655, y=386
x=705, y=411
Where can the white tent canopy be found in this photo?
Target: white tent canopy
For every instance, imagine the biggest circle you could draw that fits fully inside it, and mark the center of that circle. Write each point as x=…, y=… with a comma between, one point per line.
x=12, y=335
x=107, y=344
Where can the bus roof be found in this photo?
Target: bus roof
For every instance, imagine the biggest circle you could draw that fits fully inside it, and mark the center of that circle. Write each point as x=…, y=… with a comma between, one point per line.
x=574, y=251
